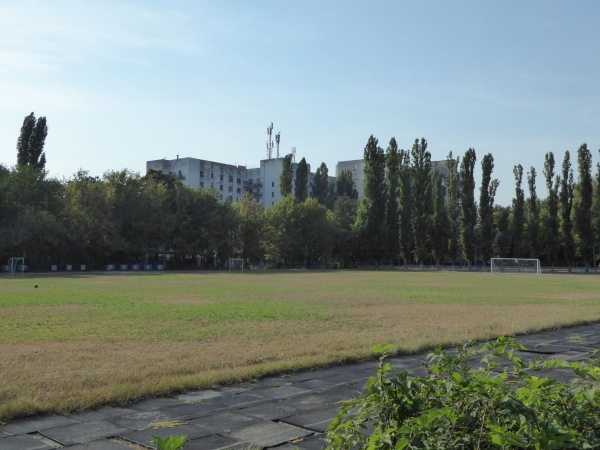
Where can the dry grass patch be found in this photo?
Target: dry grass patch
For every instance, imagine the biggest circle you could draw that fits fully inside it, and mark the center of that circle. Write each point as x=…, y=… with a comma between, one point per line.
x=82, y=342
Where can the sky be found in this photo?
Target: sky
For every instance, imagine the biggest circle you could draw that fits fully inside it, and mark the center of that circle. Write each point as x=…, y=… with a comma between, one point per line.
x=123, y=82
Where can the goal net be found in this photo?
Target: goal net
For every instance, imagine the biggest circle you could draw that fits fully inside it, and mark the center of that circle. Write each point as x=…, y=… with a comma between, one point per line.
x=13, y=264
x=516, y=265
x=236, y=264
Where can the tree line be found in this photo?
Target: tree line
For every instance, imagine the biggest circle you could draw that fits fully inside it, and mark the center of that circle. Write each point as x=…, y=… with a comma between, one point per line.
x=409, y=213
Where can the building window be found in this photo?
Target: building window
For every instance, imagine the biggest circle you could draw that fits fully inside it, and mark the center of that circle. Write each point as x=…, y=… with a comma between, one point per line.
x=239, y=191
x=230, y=188
x=272, y=184
x=202, y=173
x=202, y=184
x=239, y=180
x=272, y=194
x=250, y=180
x=231, y=178
x=230, y=198
x=212, y=175
x=221, y=187
x=221, y=177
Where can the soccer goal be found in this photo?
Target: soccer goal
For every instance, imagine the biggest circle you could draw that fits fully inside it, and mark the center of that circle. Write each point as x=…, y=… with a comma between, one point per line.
x=516, y=265
x=236, y=264
x=13, y=264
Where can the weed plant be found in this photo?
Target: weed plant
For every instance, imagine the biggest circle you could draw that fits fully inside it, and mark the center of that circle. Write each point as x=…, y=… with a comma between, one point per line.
x=502, y=403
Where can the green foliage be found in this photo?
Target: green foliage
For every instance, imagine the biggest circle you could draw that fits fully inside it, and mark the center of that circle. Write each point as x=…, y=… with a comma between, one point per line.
x=468, y=206
x=169, y=443
x=30, y=145
x=286, y=177
x=550, y=229
x=392, y=163
x=583, y=208
x=533, y=217
x=518, y=222
x=423, y=200
x=344, y=185
x=302, y=181
x=487, y=192
x=320, y=189
x=502, y=403
x=566, y=206
x=452, y=207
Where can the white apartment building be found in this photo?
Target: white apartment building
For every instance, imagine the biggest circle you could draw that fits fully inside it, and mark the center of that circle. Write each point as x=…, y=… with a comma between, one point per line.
x=230, y=181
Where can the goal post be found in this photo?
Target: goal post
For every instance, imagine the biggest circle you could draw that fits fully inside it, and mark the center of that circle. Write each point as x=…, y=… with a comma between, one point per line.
x=237, y=264
x=13, y=263
x=516, y=265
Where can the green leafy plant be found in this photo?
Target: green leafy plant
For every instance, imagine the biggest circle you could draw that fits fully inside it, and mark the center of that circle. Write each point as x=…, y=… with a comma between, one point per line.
x=459, y=404
x=169, y=443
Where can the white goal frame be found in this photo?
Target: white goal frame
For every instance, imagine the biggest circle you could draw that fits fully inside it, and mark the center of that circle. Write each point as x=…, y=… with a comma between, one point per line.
x=516, y=265
x=237, y=264
x=13, y=263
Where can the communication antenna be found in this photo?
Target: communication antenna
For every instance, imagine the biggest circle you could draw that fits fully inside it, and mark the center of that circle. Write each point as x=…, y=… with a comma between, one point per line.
x=277, y=140
x=270, y=141
x=294, y=154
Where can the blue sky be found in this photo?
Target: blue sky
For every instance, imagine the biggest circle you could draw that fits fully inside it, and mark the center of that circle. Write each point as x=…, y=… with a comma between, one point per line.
x=122, y=82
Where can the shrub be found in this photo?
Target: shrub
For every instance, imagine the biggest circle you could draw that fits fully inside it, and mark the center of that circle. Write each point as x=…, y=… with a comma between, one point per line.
x=500, y=403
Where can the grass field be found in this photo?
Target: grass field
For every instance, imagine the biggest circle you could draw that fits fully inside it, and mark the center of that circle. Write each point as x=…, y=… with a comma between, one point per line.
x=80, y=341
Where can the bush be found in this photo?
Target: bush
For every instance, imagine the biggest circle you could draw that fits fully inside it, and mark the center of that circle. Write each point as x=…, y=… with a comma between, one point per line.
x=501, y=403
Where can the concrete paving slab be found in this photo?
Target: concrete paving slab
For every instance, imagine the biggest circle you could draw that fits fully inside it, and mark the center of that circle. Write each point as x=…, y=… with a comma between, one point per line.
x=144, y=437
x=24, y=442
x=155, y=403
x=103, y=444
x=307, y=402
x=144, y=419
x=215, y=442
x=199, y=396
x=315, y=442
x=281, y=392
x=82, y=433
x=269, y=434
x=317, y=420
x=270, y=411
x=24, y=426
x=227, y=421
x=99, y=414
x=238, y=401
x=316, y=384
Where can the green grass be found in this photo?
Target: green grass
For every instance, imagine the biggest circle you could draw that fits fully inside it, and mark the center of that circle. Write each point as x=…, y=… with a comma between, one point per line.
x=112, y=338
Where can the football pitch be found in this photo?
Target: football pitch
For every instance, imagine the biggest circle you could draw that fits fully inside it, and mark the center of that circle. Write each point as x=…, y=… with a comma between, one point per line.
x=83, y=340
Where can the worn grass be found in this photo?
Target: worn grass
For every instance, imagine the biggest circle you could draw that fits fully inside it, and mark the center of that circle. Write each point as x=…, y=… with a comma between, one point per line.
x=80, y=341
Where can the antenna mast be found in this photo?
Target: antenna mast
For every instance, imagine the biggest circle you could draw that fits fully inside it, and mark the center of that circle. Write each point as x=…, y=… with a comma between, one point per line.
x=270, y=141
x=294, y=154
x=277, y=140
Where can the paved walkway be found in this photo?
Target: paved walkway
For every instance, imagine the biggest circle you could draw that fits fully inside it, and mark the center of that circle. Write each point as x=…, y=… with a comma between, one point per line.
x=277, y=412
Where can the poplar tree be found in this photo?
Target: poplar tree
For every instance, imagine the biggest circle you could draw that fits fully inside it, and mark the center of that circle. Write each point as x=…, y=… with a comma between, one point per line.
x=468, y=206
x=370, y=219
x=518, y=223
x=441, y=228
x=551, y=222
x=422, y=194
x=30, y=145
x=391, y=210
x=566, y=206
x=405, y=206
x=344, y=185
x=487, y=192
x=320, y=188
x=533, y=218
x=583, y=208
x=453, y=207
x=285, y=179
x=302, y=180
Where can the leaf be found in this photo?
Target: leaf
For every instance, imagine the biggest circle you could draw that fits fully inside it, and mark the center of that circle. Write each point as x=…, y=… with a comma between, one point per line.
x=382, y=349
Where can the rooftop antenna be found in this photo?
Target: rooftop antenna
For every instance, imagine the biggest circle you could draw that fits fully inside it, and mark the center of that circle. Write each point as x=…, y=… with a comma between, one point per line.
x=277, y=140
x=294, y=154
x=270, y=141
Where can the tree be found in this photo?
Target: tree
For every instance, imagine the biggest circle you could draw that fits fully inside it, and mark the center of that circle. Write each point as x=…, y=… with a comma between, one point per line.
x=345, y=242
x=281, y=236
x=596, y=212
x=487, y=192
x=286, y=177
x=370, y=219
x=533, y=218
x=518, y=222
x=440, y=221
x=503, y=238
x=566, y=206
x=30, y=145
x=250, y=224
x=316, y=226
x=405, y=206
x=320, y=189
x=551, y=222
x=391, y=209
x=583, y=208
x=345, y=185
x=468, y=206
x=453, y=207
x=423, y=200
x=302, y=181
